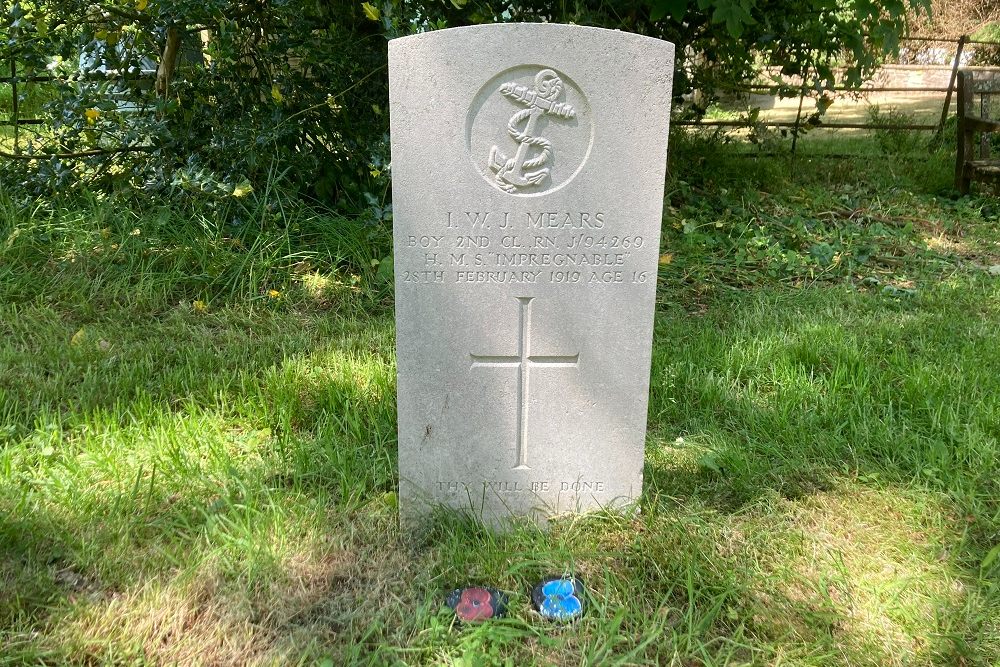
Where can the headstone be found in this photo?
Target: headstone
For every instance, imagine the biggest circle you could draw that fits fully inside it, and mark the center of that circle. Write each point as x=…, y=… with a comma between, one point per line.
x=528, y=165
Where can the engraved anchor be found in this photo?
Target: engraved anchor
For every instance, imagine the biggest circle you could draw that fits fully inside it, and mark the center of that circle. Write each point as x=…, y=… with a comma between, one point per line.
x=514, y=173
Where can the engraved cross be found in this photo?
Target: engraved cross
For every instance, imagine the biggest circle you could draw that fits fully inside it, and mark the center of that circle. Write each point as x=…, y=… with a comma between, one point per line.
x=524, y=361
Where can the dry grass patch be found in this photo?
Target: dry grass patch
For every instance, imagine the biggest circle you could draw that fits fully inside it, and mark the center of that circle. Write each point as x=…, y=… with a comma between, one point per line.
x=869, y=567
x=323, y=589
x=169, y=622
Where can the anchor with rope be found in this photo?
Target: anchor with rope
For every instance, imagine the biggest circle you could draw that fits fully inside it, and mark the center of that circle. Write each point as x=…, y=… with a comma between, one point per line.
x=521, y=171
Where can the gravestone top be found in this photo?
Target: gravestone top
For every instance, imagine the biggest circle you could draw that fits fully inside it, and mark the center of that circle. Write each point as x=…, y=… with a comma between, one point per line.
x=528, y=167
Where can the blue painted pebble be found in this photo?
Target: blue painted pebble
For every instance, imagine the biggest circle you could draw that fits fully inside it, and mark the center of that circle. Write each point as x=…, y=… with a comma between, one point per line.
x=559, y=598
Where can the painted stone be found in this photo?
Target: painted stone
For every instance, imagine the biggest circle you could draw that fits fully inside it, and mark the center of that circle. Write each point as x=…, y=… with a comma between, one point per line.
x=477, y=603
x=559, y=598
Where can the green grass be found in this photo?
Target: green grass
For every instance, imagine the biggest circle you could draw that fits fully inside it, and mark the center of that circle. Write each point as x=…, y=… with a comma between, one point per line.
x=197, y=442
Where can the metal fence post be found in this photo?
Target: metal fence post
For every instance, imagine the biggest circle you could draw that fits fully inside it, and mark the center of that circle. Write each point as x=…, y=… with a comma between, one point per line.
x=798, y=118
x=14, y=110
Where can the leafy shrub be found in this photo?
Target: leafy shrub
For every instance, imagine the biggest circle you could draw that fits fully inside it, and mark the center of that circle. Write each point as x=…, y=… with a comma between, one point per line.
x=292, y=94
x=287, y=94
x=987, y=55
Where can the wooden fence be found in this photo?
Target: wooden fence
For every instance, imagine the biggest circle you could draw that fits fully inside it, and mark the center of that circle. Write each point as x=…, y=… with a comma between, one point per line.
x=797, y=128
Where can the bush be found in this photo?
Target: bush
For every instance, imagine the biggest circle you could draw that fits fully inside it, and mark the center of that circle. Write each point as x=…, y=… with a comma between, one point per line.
x=987, y=55
x=292, y=94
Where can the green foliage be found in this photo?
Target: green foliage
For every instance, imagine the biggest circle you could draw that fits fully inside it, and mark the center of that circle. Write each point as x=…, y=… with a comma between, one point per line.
x=271, y=253
x=985, y=54
x=735, y=220
x=724, y=42
x=292, y=94
x=289, y=94
x=989, y=32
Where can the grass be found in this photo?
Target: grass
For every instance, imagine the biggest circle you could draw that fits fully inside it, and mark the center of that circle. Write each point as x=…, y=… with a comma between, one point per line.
x=197, y=440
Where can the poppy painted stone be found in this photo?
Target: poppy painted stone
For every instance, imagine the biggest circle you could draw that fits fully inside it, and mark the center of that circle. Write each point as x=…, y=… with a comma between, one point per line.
x=559, y=598
x=477, y=603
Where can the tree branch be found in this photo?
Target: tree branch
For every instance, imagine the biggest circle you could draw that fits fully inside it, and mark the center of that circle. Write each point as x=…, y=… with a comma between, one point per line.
x=126, y=14
x=168, y=61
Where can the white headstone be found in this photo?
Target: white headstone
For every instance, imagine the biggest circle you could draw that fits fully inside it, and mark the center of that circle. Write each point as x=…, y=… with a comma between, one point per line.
x=528, y=164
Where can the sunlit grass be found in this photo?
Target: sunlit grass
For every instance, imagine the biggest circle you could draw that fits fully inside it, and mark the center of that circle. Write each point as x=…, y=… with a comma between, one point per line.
x=215, y=484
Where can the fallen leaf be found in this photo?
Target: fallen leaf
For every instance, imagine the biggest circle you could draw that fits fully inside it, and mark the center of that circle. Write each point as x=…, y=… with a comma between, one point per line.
x=242, y=189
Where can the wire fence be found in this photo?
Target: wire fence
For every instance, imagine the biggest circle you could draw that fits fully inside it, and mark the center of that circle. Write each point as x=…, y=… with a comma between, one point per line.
x=17, y=82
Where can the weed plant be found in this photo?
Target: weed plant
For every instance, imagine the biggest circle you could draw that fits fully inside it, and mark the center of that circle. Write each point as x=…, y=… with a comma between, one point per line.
x=887, y=133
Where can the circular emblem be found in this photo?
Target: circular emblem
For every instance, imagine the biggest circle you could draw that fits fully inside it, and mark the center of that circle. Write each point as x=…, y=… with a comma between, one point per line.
x=529, y=130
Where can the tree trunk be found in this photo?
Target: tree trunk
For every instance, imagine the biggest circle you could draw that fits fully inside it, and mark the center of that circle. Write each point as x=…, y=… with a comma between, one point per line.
x=168, y=62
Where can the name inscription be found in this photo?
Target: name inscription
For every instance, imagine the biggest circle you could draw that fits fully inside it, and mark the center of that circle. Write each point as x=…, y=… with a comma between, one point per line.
x=531, y=247
x=518, y=486
x=534, y=219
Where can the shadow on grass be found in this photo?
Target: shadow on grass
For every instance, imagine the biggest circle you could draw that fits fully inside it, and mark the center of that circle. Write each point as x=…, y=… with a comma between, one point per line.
x=223, y=490
x=187, y=491
x=777, y=400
